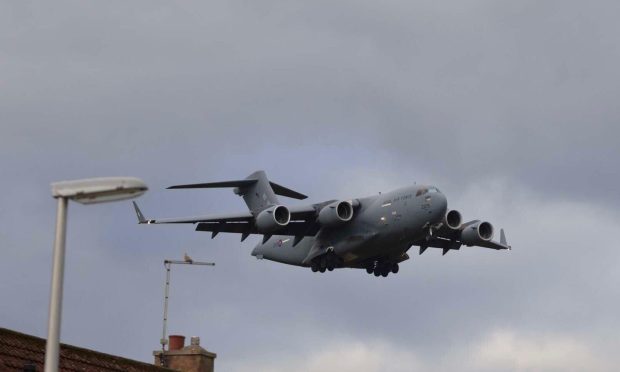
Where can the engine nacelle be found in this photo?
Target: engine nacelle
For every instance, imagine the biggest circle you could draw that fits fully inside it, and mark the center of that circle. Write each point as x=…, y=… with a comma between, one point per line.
x=477, y=233
x=452, y=220
x=273, y=218
x=336, y=213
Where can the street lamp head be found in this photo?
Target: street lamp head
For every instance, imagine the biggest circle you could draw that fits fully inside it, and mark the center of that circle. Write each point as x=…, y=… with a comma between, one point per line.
x=99, y=190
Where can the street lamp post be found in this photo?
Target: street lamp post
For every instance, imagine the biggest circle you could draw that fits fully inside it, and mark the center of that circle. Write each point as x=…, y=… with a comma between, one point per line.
x=87, y=191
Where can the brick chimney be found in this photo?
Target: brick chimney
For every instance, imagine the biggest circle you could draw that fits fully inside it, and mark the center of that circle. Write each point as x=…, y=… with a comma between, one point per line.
x=191, y=358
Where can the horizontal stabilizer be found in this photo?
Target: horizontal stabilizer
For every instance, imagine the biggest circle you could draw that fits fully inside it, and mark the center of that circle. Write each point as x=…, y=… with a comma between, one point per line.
x=210, y=185
x=277, y=189
x=283, y=191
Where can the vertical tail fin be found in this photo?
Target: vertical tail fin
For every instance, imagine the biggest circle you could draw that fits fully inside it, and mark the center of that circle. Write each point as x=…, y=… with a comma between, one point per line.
x=258, y=195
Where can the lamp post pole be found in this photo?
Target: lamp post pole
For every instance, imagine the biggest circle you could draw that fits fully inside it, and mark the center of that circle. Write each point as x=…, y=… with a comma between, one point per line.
x=86, y=191
x=58, y=272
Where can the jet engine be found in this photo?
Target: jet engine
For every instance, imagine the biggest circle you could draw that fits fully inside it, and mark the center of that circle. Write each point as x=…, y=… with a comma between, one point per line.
x=477, y=233
x=452, y=220
x=273, y=218
x=336, y=213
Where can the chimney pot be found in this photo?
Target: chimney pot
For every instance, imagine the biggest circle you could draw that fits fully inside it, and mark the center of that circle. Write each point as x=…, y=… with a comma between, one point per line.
x=195, y=340
x=177, y=342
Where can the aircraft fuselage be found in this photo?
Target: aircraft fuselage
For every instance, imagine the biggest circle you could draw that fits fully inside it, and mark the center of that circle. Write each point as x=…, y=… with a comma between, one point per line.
x=384, y=226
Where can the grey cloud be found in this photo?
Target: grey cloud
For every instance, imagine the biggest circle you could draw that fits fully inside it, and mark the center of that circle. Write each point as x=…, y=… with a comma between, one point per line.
x=508, y=107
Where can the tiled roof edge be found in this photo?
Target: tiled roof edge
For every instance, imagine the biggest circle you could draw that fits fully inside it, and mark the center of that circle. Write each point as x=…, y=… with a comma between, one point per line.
x=82, y=350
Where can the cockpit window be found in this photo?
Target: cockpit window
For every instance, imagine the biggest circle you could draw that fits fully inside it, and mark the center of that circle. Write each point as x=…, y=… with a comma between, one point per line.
x=426, y=190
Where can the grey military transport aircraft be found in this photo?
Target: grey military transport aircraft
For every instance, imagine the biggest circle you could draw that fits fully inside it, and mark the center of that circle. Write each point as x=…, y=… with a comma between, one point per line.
x=372, y=233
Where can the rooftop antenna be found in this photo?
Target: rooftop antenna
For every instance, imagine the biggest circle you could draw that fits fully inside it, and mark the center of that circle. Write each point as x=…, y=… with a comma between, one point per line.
x=187, y=260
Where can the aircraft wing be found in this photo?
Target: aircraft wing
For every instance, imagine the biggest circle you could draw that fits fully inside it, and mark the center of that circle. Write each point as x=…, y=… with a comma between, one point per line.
x=448, y=239
x=303, y=222
x=231, y=217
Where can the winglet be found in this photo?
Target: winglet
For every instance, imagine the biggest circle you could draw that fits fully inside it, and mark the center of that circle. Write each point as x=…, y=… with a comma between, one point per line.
x=502, y=239
x=141, y=218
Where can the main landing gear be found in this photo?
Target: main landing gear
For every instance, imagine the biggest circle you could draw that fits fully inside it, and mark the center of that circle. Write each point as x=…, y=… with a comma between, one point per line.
x=326, y=262
x=383, y=269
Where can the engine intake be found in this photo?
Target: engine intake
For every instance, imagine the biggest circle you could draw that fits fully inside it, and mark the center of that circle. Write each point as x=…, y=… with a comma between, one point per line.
x=452, y=220
x=336, y=213
x=477, y=233
x=273, y=218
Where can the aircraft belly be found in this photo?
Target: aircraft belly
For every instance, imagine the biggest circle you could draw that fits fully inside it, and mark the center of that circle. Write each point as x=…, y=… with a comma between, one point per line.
x=391, y=239
x=280, y=249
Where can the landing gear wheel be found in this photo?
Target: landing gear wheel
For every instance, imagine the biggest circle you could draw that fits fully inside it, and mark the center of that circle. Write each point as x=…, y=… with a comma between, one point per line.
x=385, y=270
x=377, y=272
x=314, y=267
x=395, y=268
x=330, y=265
x=370, y=269
x=322, y=269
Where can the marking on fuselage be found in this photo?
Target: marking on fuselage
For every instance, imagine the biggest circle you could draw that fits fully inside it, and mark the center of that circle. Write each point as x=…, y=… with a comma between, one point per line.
x=281, y=242
x=383, y=221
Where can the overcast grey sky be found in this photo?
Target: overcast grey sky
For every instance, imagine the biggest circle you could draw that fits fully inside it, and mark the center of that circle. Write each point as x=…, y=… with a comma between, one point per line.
x=510, y=108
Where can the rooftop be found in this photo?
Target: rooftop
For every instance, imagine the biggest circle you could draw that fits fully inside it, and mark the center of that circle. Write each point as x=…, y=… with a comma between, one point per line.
x=22, y=352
